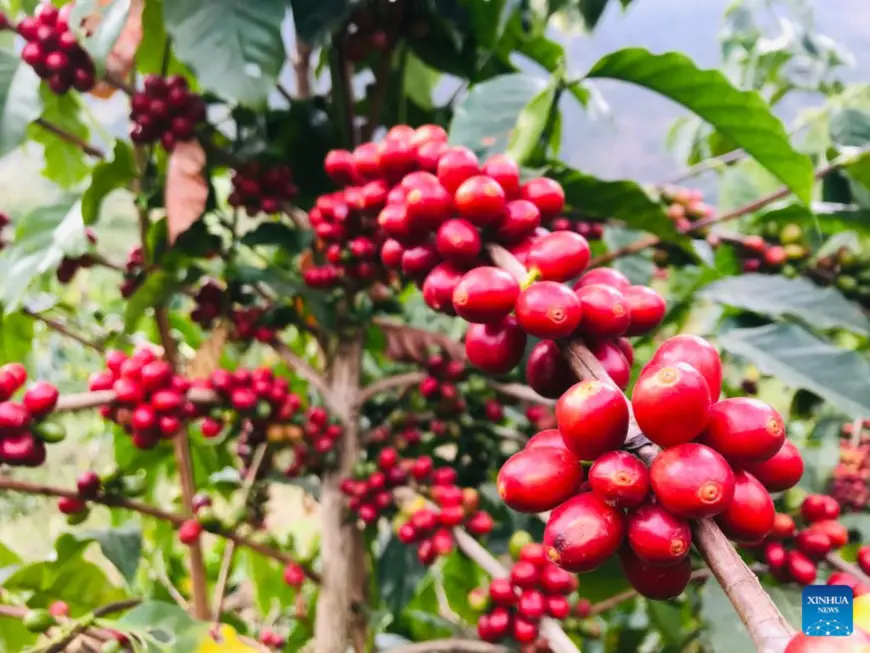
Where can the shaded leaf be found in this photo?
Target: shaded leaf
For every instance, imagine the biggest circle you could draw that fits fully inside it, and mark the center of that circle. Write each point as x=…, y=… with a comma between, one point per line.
x=532, y=125
x=778, y=296
x=742, y=116
x=398, y=573
x=107, y=176
x=186, y=188
x=234, y=46
x=122, y=546
x=821, y=454
x=850, y=127
x=277, y=233
x=267, y=579
x=315, y=19
x=637, y=267
x=20, y=102
x=487, y=117
x=65, y=163
x=801, y=360
x=16, y=341
x=725, y=631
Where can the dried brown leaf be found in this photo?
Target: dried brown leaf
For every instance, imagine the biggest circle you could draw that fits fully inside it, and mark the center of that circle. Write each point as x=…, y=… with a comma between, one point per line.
x=186, y=188
x=120, y=61
x=410, y=345
x=208, y=356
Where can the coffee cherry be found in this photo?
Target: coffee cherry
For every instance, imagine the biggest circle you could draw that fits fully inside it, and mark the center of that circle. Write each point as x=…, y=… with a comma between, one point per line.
x=495, y=348
x=505, y=171
x=557, y=607
x=480, y=523
x=605, y=312
x=780, y=472
x=647, y=309
x=863, y=558
x=657, y=536
x=480, y=200
x=546, y=194
x=817, y=507
x=548, y=309
x=38, y=621
x=71, y=505
x=750, y=516
x=619, y=478
x=592, y=418
x=698, y=353
x=525, y=631
x=539, y=479
x=613, y=362
x=428, y=205
x=744, y=430
x=531, y=605
x=547, y=371
x=655, y=582
x=814, y=543
x=604, y=276
x=775, y=556
x=501, y=591
x=854, y=643
x=836, y=532
x=800, y=568
x=88, y=484
x=40, y=399
x=14, y=418
x=583, y=532
x=485, y=295
x=692, y=481
x=559, y=256
x=455, y=166
x=556, y=581
x=547, y=438
x=521, y=219
x=294, y=575
x=784, y=527
x=671, y=403
x=189, y=532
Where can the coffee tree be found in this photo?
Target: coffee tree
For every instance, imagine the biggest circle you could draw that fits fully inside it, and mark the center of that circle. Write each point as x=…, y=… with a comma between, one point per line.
x=353, y=355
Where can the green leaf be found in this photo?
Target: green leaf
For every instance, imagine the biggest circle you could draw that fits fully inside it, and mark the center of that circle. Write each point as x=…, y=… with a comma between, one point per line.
x=20, y=102
x=16, y=340
x=829, y=218
x=487, y=117
x=821, y=454
x=850, y=127
x=801, y=360
x=267, y=579
x=169, y=624
x=742, y=116
x=112, y=18
x=637, y=267
x=420, y=81
x=623, y=200
x=315, y=19
x=532, y=125
x=108, y=175
x=122, y=546
x=157, y=288
x=234, y=46
x=398, y=573
x=65, y=163
x=42, y=238
x=277, y=233
x=778, y=296
x=725, y=631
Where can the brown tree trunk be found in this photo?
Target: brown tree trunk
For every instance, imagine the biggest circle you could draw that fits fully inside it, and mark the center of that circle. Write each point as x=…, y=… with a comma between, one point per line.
x=342, y=548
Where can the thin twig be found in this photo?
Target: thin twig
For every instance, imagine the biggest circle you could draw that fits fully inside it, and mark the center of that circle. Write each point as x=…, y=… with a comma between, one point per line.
x=450, y=646
x=229, y=552
x=397, y=382
x=60, y=328
x=521, y=392
x=766, y=626
x=173, y=592
x=83, y=145
x=302, y=67
x=87, y=621
x=303, y=370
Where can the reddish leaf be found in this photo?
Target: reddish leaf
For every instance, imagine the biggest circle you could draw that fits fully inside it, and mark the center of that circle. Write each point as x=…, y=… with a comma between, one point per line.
x=186, y=188
x=119, y=63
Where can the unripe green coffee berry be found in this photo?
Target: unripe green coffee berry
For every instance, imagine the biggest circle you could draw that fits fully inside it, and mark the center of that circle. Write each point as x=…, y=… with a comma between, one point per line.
x=519, y=540
x=38, y=621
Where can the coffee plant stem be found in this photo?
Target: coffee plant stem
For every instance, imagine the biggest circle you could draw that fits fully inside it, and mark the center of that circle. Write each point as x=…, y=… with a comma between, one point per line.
x=760, y=203
x=304, y=371
x=450, y=646
x=84, y=146
x=399, y=381
x=175, y=519
x=766, y=626
x=302, y=67
x=54, y=325
x=836, y=562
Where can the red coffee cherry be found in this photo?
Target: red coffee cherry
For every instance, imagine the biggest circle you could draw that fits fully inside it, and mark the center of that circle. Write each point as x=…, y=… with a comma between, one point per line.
x=455, y=166
x=531, y=605
x=294, y=575
x=521, y=219
x=698, y=353
x=557, y=607
x=524, y=574
x=428, y=205
x=800, y=568
x=548, y=309
x=539, y=479
x=546, y=194
x=439, y=286
x=189, y=532
x=88, y=484
x=605, y=312
x=583, y=532
x=854, y=643
x=556, y=581
x=605, y=277
x=613, y=362
x=692, y=481
x=593, y=418
x=501, y=591
x=657, y=536
x=547, y=438
x=647, y=309
x=814, y=543
x=671, y=403
x=505, y=171
x=525, y=631
x=817, y=507
x=744, y=430
x=780, y=472
x=652, y=581
x=495, y=348
x=836, y=532
x=559, y=256
x=619, y=478
x=458, y=241
x=863, y=558
x=480, y=200
x=547, y=371
x=750, y=516
x=71, y=505
x=40, y=399
x=485, y=295
x=784, y=527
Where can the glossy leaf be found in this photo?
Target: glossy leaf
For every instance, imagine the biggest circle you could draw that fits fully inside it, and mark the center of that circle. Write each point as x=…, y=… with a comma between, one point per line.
x=802, y=360
x=234, y=46
x=107, y=176
x=65, y=163
x=122, y=546
x=315, y=19
x=398, y=573
x=779, y=296
x=156, y=289
x=110, y=19
x=821, y=455
x=742, y=116
x=16, y=341
x=536, y=118
x=20, y=102
x=166, y=622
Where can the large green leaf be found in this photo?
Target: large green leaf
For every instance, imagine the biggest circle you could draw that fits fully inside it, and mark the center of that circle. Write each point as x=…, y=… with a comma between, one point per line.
x=315, y=19
x=724, y=630
x=850, y=127
x=234, y=46
x=487, y=117
x=623, y=200
x=166, y=623
x=20, y=103
x=65, y=163
x=742, y=116
x=398, y=573
x=825, y=217
x=527, y=145
x=821, y=454
x=157, y=288
x=267, y=579
x=108, y=175
x=801, y=360
x=16, y=339
x=122, y=546
x=778, y=296
x=42, y=238
x=112, y=18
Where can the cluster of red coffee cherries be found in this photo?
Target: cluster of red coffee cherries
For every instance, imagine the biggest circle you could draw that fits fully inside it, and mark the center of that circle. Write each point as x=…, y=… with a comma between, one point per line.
x=165, y=110
x=439, y=386
x=134, y=271
x=23, y=431
x=849, y=481
x=590, y=230
x=246, y=322
x=535, y=588
x=430, y=528
x=320, y=437
x=721, y=459
x=52, y=50
x=70, y=265
x=262, y=189
x=794, y=555
x=150, y=400
x=685, y=206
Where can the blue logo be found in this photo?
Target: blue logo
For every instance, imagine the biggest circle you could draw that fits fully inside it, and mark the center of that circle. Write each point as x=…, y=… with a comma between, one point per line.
x=827, y=611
